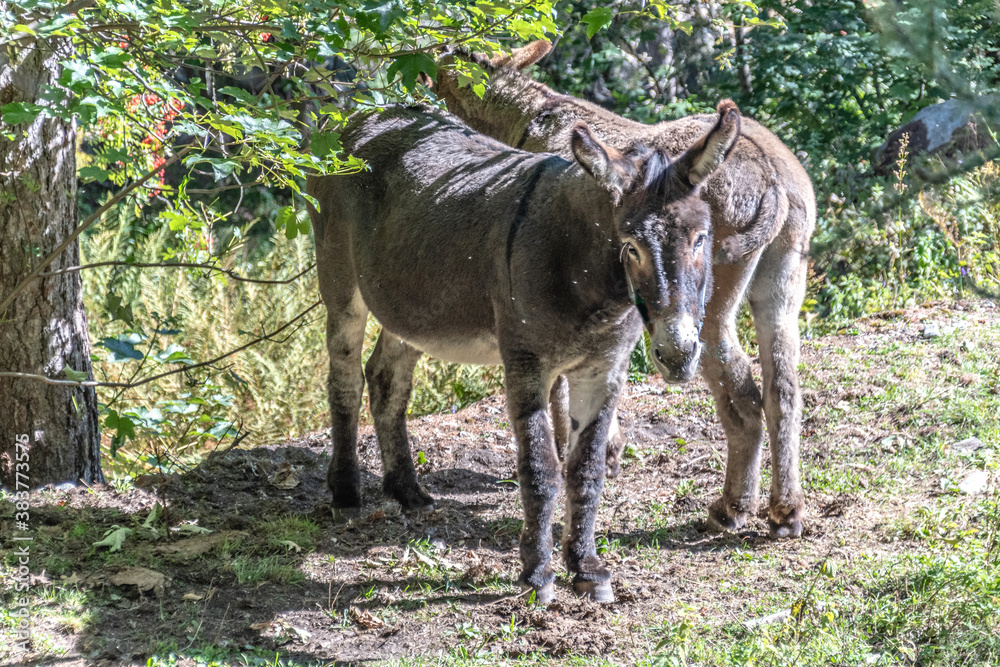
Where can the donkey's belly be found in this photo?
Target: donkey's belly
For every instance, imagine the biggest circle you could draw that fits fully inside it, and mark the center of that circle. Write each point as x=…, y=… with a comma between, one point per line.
x=474, y=350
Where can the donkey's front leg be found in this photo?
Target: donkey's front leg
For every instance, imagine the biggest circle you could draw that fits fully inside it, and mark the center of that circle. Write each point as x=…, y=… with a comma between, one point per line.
x=593, y=401
x=389, y=372
x=537, y=471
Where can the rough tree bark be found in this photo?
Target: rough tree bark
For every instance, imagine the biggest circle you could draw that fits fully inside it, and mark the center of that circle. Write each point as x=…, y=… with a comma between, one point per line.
x=44, y=330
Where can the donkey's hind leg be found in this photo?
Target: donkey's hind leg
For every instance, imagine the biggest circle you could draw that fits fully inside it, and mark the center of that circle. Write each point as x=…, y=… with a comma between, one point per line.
x=726, y=369
x=390, y=378
x=345, y=332
x=775, y=299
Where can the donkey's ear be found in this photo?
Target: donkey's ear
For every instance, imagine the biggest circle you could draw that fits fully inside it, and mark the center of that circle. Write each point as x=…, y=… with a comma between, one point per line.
x=709, y=152
x=614, y=171
x=524, y=56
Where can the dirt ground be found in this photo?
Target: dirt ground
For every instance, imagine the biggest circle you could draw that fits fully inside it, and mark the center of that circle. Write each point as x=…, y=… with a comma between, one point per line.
x=388, y=584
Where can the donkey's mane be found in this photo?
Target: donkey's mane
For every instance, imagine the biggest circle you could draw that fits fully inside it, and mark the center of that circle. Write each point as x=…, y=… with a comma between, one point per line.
x=659, y=169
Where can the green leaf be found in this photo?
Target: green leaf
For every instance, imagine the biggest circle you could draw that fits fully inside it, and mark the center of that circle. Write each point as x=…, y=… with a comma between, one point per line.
x=124, y=429
x=16, y=113
x=597, y=19
x=221, y=167
x=114, y=538
x=286, y=219
x=303, y=221
x=121, y=349
x=378, y=15
x=93, y=173
x=154, y=516
x=75, y=376
x=410, y=67
x=241, y=95
x=220, y=431
x=113, y=306
x=322, y=144
x=174, y=354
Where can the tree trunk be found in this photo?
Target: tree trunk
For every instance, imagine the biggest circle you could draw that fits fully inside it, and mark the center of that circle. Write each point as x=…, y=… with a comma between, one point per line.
x=44, y=330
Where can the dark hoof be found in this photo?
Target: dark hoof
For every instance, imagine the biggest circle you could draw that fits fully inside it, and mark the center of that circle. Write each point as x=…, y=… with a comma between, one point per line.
x=720, y=521
x=544, y=595
x=790, y=525
x=345, y=485
x=346, y=497
x=598, y=591
x=411, y=497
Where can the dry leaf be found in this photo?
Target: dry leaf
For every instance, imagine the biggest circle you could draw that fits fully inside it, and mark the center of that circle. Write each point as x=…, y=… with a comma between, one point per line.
x=377, y=515
x=281, y=631
x=286, y=476
x=192, y=547
x=141, y=577
x=289, y=545
x=71, y=580
x=193, y=597
x=366, y=619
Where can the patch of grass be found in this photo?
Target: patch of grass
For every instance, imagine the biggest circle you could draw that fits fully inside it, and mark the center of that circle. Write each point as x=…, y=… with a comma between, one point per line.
x=273, y=569
x=936, y=607
x=284, y=534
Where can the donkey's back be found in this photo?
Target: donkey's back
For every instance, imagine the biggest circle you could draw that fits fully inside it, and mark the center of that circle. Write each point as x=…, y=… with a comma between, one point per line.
x=422, y=228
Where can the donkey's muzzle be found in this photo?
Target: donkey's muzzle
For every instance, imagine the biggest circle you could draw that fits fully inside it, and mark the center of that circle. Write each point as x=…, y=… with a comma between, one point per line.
x=675, y=348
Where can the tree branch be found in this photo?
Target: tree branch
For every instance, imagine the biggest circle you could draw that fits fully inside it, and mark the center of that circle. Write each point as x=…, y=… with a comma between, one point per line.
x=180, y=265
x=132, y=385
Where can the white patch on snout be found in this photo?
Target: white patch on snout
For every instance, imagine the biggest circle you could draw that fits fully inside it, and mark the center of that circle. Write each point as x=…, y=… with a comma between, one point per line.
x=686, y=329
x=676, y=349
x=674, y=334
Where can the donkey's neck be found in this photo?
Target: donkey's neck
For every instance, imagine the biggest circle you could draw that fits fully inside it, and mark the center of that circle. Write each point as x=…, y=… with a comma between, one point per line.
x=524, y=113
x=510, y=104
x=595, y=273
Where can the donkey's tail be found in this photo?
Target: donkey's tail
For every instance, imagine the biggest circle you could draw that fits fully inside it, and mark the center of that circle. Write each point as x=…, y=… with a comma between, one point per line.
x=765, y=227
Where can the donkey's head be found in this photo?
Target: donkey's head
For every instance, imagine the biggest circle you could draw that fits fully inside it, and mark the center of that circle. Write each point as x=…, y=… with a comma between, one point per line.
x=664, y=229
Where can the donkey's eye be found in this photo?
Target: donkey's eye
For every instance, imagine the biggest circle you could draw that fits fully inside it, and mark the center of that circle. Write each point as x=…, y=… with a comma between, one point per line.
x=699, y=242
x=633, y=253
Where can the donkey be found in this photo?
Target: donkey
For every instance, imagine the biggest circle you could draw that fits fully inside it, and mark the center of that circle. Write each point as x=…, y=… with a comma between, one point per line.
x=471, y=251
x=763, y=215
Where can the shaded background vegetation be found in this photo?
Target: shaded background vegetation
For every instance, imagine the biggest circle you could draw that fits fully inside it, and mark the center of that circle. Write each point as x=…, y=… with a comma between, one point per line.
x=831, y=79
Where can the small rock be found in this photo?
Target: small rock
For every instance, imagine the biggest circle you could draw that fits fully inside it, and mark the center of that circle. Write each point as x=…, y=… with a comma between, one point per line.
x=968, y=345
x=967, y=445
x=64, y=486
x=931, y=331
x=439, y=544
x=974, y=483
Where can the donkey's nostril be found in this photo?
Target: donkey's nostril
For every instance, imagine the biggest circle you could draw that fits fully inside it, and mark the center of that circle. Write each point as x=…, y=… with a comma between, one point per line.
x=658, y=357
